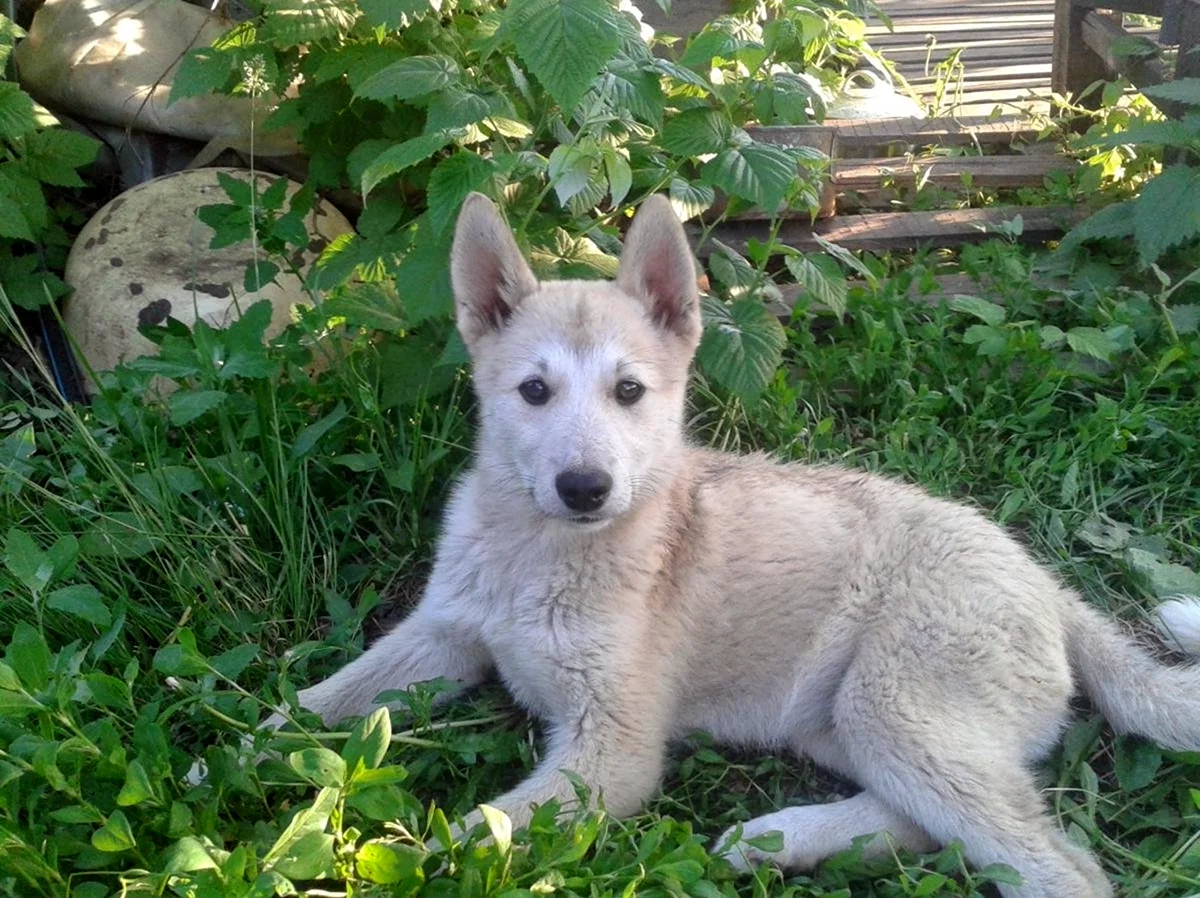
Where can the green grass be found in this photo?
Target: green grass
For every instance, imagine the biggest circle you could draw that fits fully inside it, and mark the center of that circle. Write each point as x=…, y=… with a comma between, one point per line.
x=170, y=574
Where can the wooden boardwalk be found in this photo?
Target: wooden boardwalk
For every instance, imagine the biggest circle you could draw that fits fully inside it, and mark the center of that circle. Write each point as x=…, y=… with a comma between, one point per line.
x=1005, y=46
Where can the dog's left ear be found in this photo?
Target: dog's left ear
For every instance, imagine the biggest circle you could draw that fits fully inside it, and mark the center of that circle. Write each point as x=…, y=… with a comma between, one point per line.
x=657, y=267
x=488, y=273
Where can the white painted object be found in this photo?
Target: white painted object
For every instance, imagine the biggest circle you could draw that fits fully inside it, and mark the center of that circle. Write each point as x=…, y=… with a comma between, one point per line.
x=145, y=257
x=114, y=61
x=869, y=93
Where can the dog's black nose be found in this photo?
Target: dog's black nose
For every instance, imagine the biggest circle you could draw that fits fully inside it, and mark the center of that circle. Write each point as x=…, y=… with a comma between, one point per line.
x=583, y=491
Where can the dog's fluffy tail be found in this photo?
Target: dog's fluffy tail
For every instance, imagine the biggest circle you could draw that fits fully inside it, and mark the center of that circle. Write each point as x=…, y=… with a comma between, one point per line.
x=1137, y=693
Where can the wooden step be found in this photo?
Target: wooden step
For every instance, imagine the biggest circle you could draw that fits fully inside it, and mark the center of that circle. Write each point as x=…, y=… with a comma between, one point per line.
x=948, y=171
x=882, y=231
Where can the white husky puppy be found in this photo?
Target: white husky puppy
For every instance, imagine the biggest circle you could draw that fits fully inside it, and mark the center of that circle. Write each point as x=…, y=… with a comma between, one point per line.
x=629, y=587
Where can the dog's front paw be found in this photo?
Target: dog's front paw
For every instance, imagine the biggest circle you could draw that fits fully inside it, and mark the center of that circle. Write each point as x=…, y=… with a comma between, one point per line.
x=743, y=856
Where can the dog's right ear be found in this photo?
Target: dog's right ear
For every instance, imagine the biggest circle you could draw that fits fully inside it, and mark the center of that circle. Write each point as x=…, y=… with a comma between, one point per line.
x=488, y=273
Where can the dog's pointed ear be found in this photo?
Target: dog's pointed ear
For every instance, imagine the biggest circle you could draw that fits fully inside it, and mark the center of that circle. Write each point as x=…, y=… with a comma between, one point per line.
x=488, y=273
x=657, y=267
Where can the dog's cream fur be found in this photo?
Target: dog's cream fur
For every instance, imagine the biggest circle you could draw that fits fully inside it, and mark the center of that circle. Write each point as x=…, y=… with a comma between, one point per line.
x=903, y=641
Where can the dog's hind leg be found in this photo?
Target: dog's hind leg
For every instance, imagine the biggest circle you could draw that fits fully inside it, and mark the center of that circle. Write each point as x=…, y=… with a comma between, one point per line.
x=960, y=776
x=814, y=832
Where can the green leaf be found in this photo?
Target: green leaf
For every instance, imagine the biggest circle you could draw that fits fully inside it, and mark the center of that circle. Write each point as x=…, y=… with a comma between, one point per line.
x=115, y=835
x=320, y=766
x=1185, y=318
x=450, y=183
x=698, y=132
x=389, y=863
x=742, y=345
x=423, y=279
x=410, y=372
x=29, y=656
x=369, y=741
x=1137, y=762
x=312, y=819
x=185, y=406
x=688, y=199
x=760, y=173
x=374, y=306
x=137, y=787
x=178, y=660
x=822, y=279
x=565, y=43
x=401, y=156
x=16, y=111
x=1110, y=222
x=571, y=169
x=710, y=43
x=1161, y=578
x=260, y=273
x=307, y=440
x=201, y=71
x=455, y=108
x=1183, y=90
x=14, y=224
x=53, y=155
x=684, y=872
x=395, y=14
x=231, y=663
x=409, y=78
x=985, y=311
x=25, y=560
x=77, y=813
x=293, y=23
x=187, y=856
x=1168, y=211
x=310, y=857
x=1093, y=342
x=83, y=601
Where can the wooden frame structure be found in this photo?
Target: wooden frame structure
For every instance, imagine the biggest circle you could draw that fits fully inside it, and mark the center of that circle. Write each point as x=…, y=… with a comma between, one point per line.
x=1085, y=40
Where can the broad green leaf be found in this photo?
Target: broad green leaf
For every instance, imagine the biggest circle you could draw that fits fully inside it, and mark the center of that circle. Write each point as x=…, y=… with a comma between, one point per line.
x=1168, y=211
x=320, y=766
x=9, y=679
x=53, y=155
x=1110, y=222
x=309, y=857
x=1183, y=90
x=1137, y=762
x=373, y=306
x=684, y=872
x=395, y=14
x=25, y=560
x=698, y=132
x=29, y=656
x=450, y=183
x=985, y=311
x=201, y=71
x=1092, y=341
x=108, y=691
x=565, y=43
x=455, y=108
x=620, y=175
x=185, y=406
x=30, y=212
x=309, y=436
x=760, y=173
x=688, y=199
x=401, y=156
x=710, y=43
x=571, y=168
x=312, y=819
x=742, y=345
x=423, y=280
x=178, y=660
x=388, y=863
x=410, y=371
x=409, y=78
x=231, y=663
x=1161, y=578
x=82, y=601
x=369, y=741
x=77, y=813
x=822, y=279
x=187, y=856
x=16, y=111
x=1185, y=318
x=293, y=23
x=115, y=835
x=137, y=787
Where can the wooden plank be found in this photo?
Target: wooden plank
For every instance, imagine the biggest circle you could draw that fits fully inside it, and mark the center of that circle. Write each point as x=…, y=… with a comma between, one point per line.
x=855, y=136
x=948, y=171
x=903, y=230
x=1100, y=31
x=1075, y=65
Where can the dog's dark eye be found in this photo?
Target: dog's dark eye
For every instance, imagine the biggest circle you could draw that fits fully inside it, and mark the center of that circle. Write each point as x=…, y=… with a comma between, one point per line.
x=534, y=391
x=629, y=392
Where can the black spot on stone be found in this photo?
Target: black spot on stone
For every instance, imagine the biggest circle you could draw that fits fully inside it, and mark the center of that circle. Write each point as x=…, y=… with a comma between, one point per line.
x=220, y=291
x=155, y=313
x=116, y=261
x=136, y=289
x=317, y=245
x=91, y=241
x=103, y=236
